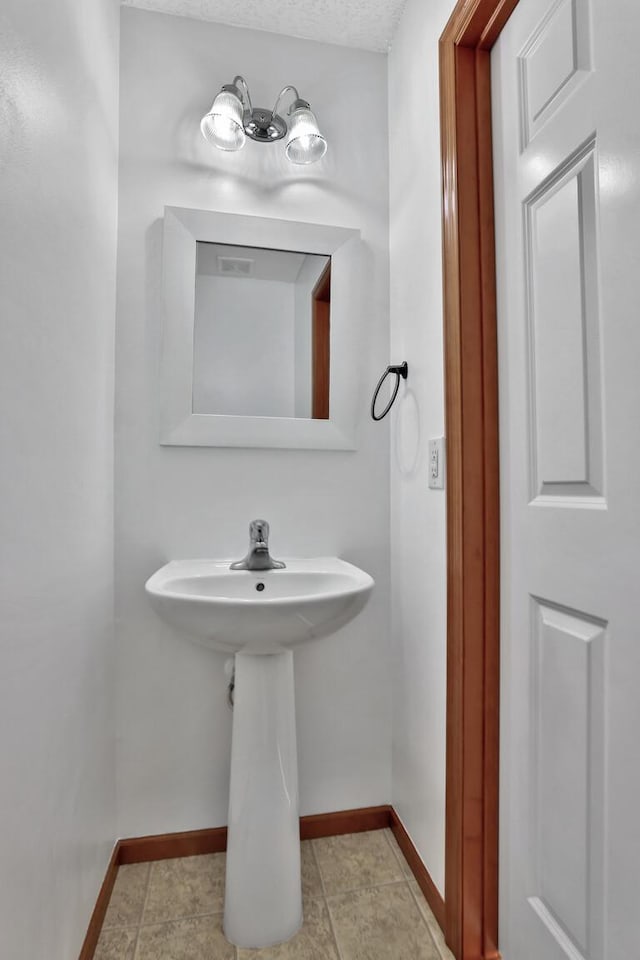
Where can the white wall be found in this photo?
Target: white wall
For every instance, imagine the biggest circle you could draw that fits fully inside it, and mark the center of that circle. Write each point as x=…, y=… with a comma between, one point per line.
x=174, y=724
x=243, y=357
x=58, y=169
x=418, y=543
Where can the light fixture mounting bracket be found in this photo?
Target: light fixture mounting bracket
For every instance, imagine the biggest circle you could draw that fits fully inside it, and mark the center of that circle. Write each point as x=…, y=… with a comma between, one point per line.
x=264, y=125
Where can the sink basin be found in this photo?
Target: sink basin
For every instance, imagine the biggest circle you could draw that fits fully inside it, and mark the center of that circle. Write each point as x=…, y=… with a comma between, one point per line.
x=258, y=611
x=259, y=616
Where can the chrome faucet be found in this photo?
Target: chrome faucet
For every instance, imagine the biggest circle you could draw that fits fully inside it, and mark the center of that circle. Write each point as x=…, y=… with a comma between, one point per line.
x=258, y=556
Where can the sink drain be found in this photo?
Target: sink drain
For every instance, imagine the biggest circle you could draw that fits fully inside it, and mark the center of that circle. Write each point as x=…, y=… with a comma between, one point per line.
x=259, y=587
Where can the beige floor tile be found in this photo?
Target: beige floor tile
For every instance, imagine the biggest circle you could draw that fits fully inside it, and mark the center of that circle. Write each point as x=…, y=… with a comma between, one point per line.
x=185, y=887
x=200, y=938
x=431, y=921
x=311, y=882
x=314, y=942
x=127, y=897
x=382, y=923
x=116, y=944
x=356, y=860
x=406, y=869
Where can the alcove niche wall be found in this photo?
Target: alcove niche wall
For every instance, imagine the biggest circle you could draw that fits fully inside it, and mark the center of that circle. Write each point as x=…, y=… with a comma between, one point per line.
x=174, y=724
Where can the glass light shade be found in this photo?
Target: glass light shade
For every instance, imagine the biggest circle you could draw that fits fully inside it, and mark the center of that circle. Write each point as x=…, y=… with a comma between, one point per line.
x=223, y=126
x=305, y=143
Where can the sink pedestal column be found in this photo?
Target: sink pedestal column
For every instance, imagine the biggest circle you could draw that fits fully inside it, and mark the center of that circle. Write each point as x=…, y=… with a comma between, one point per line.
x=263, y=898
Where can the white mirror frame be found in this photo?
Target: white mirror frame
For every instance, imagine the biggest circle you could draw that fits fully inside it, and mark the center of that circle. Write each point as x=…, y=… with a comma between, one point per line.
x=180, y=426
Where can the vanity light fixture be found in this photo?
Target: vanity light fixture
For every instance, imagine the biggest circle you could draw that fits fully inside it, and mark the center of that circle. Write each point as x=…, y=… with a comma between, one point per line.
x=232, y=118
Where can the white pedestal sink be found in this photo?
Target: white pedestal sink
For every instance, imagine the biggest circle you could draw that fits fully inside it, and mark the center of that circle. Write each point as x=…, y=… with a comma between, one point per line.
x=260, y=616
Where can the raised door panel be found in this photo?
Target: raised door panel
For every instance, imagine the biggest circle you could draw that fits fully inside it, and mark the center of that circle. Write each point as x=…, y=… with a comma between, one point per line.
x=567, y=774
x=553, y=62
x=564, y=341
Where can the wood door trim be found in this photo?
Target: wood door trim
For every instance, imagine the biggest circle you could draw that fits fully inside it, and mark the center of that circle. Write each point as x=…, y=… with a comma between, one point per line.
x=320, y=345
x=473, y=509
x=322, y=289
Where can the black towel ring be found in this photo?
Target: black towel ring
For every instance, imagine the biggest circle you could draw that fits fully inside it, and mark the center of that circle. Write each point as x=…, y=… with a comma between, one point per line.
x=400, y=370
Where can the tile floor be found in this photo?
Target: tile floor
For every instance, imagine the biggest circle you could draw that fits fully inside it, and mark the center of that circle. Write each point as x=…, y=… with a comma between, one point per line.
x=361, y=902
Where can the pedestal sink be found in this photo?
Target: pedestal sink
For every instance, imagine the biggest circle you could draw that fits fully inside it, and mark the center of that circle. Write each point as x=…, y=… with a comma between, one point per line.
x=259, y=616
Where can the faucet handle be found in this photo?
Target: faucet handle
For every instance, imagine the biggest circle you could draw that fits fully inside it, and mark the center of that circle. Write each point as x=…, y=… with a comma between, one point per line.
x=259, y=531
x=258, y=556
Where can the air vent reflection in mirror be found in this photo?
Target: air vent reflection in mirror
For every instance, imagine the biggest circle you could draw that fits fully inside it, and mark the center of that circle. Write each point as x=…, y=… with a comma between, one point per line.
x=236, y=266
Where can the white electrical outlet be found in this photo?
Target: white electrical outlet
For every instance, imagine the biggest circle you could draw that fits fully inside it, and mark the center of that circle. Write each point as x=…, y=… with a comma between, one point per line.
x=436, y=463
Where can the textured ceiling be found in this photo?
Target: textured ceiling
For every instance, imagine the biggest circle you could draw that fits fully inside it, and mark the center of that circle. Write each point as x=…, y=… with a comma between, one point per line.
x=369, y=24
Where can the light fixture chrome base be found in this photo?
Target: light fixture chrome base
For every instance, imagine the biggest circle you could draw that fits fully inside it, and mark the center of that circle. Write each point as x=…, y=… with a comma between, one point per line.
x=264, y=126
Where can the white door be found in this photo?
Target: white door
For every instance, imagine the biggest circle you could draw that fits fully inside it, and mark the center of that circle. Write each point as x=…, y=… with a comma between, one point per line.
x=566, y=124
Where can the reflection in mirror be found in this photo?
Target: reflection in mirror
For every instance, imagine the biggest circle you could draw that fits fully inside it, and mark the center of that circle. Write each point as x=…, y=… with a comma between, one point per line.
x=261, y=332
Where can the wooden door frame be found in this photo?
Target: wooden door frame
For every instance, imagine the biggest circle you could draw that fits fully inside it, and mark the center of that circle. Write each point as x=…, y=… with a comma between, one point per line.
x=320, y=345
x=473, y=507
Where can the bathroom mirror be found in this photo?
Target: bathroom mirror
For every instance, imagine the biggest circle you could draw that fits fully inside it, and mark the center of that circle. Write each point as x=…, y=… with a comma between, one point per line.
x=261, y=330
x=261, y=341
